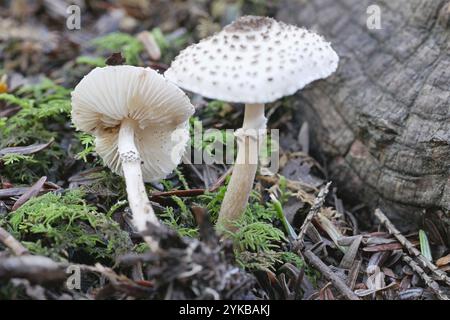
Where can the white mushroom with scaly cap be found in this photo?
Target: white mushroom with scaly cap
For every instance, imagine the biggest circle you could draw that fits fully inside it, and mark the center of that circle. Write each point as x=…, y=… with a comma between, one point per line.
x=140, y=121
x=254, y=60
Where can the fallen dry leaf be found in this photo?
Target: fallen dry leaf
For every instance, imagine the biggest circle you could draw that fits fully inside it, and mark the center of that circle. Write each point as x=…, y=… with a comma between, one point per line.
x=443, y=261
x=387, y=247
x=25, y=150
x=30, y=193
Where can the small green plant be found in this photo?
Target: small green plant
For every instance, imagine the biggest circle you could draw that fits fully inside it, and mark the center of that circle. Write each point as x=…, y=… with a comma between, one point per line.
x=43, y=111
x=182, y=178
x=109, y=185
x=290, y=257
x=20, y=167
x=213, y=108
x=254, y=261
x=212, y=202
x=167, y=184
x=172, y=220
x=277, y=207
x=87, y=141
x=125, y=43
x=258, y=237
x=160, y=39
x=91, y=61
x=180, y=218
x=213, y=142
x=11, y=158
x=284, y=192
x=425, y=245
x=257, y=241
x=217, y=139
x=42, y=106
x=171, y=44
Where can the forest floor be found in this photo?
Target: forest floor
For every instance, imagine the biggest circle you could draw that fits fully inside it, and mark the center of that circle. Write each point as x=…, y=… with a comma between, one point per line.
x=65, y=229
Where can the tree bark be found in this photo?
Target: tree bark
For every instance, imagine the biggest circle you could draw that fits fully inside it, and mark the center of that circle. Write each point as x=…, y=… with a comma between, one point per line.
x=383, y=119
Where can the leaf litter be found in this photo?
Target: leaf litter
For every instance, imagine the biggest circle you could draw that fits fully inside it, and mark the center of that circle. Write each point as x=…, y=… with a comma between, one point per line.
x=59, y=207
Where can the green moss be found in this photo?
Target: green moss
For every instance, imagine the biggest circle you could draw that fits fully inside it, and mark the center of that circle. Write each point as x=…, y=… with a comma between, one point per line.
x=182, y=178
x=170, y=45
x=107, y=185
x=23, y=168
x=87, y=141
x=257, y=237
x=43, y=115
x=290, y=257
x=160, y=39
x=212, y=202
x=213, y=108
x=42, y=106
x=91, y=61
x=66, y=227
x=128, y=45
x=258, y=242
x=12, y=158
x=167, y=184
x=177, y=223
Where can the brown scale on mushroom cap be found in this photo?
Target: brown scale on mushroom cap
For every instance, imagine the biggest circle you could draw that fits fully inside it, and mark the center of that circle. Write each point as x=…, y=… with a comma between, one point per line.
x=249, y=24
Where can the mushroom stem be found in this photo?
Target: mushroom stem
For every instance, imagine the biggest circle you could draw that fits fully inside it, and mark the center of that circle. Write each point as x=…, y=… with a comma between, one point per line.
x=137, y=196
x=244, y=171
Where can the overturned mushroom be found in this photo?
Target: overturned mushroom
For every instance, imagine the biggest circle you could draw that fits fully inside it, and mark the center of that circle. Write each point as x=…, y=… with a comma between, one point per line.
x=140, y=122
x=254, y=60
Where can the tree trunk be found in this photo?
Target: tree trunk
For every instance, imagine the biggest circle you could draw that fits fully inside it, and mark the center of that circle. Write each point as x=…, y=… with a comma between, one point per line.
x=383, y=119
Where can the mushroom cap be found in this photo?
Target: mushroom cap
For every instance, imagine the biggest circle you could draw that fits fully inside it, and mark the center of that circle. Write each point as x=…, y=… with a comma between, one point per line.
x=106, y=96
x=253, y=60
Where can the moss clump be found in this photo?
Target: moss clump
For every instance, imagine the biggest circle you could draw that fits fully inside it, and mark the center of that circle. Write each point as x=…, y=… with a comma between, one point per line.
x=41, y=106
x=43, y=115
x=258, y=242
x=177, y=223
x=66, y=227
x=117, y=41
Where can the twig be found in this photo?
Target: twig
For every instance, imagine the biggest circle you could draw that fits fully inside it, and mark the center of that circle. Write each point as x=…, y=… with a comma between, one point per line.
x=192, y=192
x=291, y=184
x=318, y=203
x=16, y=192
x=425, y=263
x=188, y=162
x=26, y=150
x=433, y=285
x=33, y=191
x=37, y=269
x=338, y=283
x=349, y=257
x=179, y=193
x=8, y=240
x=221, y=180
x=353, y=274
